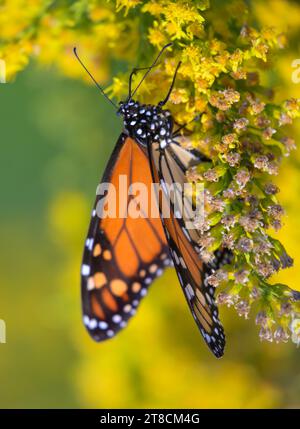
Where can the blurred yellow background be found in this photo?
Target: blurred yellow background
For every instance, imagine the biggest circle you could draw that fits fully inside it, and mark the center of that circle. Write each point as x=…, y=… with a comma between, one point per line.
x=56, y=136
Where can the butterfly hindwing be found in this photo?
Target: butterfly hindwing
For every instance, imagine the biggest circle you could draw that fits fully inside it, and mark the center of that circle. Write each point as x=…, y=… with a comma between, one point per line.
x=168, y=167
x=122, y=255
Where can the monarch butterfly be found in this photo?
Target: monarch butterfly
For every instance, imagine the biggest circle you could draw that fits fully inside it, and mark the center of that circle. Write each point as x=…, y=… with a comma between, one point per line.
x=123, y=256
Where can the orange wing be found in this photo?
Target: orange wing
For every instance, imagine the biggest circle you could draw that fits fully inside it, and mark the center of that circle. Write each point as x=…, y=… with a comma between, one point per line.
x=122, y=255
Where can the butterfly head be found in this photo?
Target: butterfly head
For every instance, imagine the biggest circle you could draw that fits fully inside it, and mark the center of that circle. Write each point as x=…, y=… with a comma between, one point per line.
x=146, y=123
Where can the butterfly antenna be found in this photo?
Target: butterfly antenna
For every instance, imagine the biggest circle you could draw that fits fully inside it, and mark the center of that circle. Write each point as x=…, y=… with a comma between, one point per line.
x=93, y=79
x=163, y=102
x=150, y=68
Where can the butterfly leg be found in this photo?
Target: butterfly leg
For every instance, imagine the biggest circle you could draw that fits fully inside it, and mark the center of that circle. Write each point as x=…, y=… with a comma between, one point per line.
x=130, y=93
x=183, y=127
x=134, y=71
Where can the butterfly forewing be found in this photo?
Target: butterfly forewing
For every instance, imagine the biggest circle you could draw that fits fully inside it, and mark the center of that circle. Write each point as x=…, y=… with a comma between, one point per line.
x=123, y=255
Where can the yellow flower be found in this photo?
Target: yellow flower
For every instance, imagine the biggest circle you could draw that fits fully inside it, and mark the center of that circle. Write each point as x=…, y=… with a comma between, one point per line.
x=156, y=36
x=180, y=19
x=118, y=88
x=126, y=4
x=153, y=7
x=179, y=95
x=98, y=12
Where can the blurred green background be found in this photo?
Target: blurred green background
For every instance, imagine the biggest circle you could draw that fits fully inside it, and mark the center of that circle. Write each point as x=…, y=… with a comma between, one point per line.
x=56, y=136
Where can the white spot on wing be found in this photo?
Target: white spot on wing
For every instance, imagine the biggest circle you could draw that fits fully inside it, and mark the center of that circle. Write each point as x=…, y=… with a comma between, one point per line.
x=85, y=270
x=182, y=262
x=116, y=318
x=189, y=291
x=186, y=234
x=127, y=308
x=175, y=257
x=103, y=325
x=93, y=324
x=208, y=297
x=144, y=292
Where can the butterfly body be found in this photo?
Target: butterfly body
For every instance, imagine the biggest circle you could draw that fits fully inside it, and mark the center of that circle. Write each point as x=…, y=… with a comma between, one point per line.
x=146, y=123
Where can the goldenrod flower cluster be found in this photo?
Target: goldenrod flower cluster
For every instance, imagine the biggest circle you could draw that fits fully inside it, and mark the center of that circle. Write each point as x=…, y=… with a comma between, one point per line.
x=241, y=126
